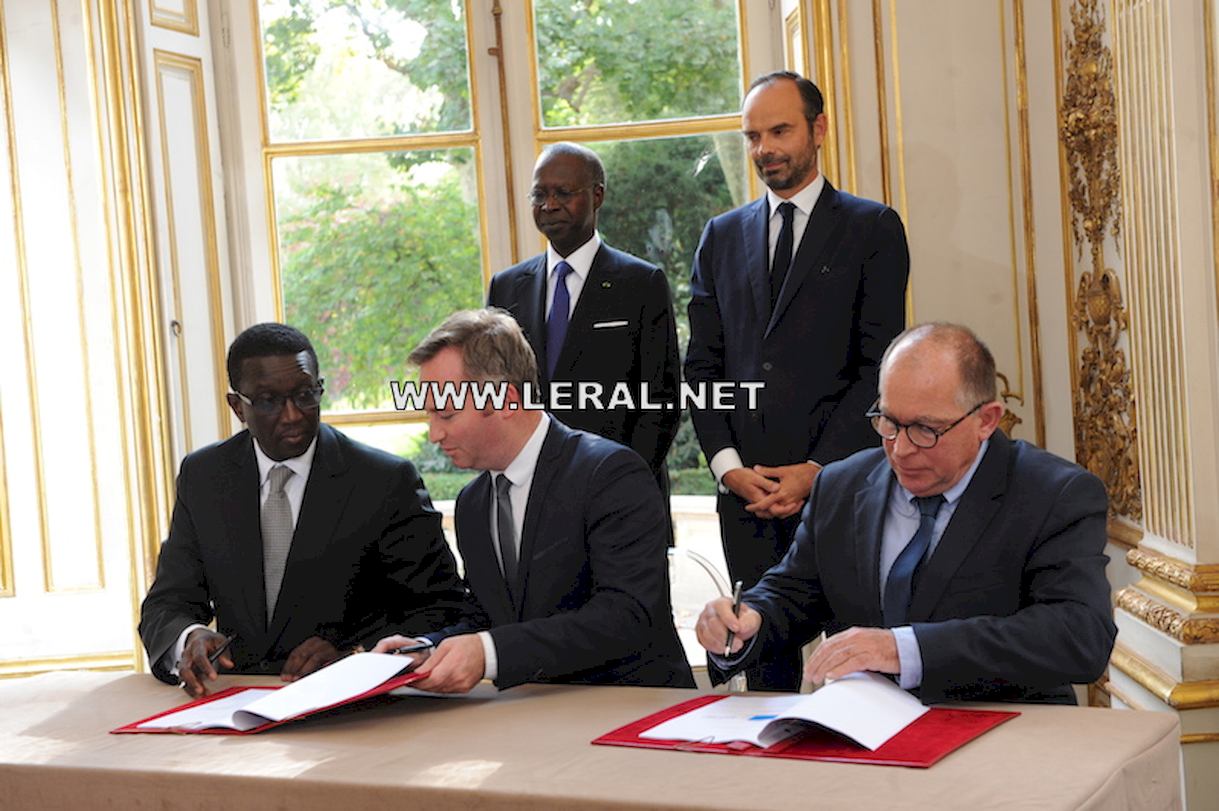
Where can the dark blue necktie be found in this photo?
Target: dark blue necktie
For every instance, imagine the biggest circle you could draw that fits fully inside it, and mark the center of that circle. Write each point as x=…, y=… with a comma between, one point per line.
x=900, y=585
x=556, y=322
x=783, y=251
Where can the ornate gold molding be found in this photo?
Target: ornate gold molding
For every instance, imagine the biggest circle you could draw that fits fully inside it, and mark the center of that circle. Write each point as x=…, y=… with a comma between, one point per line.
x=1185, y=629
x=1198, y=579
x=1009, y=420
x=1193, y=695
x=1105, y=424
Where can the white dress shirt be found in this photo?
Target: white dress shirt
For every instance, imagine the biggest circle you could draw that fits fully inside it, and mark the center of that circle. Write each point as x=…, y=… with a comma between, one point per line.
x=581, y=261
x=520, y=472
x=294, y=489
x=804, y=200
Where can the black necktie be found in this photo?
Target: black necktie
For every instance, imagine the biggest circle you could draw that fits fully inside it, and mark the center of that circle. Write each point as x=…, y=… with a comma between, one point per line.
x=900, y=585
x=783, y=252
x=507, y=531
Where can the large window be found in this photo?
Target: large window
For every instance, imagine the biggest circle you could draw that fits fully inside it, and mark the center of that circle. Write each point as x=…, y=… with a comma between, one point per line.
x=383, y=188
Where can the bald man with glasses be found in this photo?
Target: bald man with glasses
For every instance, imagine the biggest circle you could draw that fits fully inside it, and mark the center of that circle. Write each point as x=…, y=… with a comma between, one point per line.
x=966, y=565
x=299, y=542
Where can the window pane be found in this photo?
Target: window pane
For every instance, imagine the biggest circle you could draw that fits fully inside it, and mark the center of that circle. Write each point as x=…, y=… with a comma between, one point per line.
x=343, y=70
x=607, y=61
x=659, y=194
x=375, y=250
x=409, y=440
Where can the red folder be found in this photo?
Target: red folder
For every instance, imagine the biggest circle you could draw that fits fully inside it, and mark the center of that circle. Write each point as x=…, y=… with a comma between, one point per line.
x=936, y=733
x=382, y=688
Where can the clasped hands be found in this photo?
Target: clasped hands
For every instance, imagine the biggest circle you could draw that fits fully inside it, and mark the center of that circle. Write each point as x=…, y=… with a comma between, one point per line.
x=195, y=668
x=773, y=492
x=853, y=650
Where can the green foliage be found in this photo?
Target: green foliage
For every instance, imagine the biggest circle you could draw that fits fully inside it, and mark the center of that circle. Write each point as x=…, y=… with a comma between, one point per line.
x=368, y=281
x=289, y=51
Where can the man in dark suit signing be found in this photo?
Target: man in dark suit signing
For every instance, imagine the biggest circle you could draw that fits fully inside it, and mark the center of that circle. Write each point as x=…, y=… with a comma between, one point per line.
x=563, y=535
x=800, y=290
x=301, y=542
x=969, y=566
x=594, y=314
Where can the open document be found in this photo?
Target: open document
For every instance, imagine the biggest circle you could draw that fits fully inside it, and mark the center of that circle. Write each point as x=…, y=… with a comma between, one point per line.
x=244, y=709
x=865, y=707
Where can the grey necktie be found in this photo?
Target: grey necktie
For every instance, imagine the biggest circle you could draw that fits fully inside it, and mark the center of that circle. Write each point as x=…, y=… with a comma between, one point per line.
x=276, y=535
x=507, y=531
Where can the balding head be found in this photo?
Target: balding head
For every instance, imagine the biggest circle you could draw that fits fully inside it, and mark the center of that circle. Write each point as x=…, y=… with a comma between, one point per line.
x=942, y=343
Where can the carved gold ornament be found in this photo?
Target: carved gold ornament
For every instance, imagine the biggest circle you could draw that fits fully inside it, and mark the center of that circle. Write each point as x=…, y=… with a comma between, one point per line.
x=1105, y=421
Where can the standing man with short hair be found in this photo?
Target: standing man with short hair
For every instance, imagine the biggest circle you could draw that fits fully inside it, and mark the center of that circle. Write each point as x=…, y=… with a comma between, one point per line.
x=562, y=535
x=593, y=313
x=298, y=540
x=801, y=290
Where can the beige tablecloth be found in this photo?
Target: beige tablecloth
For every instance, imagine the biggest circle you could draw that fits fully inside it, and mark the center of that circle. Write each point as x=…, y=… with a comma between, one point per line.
x=529, y=748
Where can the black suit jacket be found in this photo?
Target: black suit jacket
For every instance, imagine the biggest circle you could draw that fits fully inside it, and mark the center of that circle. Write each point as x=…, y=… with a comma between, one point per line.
x=1012, y=605
x=368, y=556
x=622, y=330
x=819, y=352
x=593, y=581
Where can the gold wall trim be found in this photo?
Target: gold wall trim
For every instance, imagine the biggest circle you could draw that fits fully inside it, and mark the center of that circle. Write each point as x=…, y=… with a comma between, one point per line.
x=1105, y=422
x=78, y=267
x=7, y=587
x=1200, y=737
x=193, y=67
x=847, y=115
x=1064, y=171
x=1009, y=164
x=1030, y=238
x=24, y=297
x=903, y=205
x=1203, y=578
x=1181, y=599
x=1123, y=533
x=1212, y=135
x=117, y=660
x=497, y=13
x=823, y=27
x=185, y=22
x=1168, y=620
x=882, y=114
x=1193, y=695
x=389, y=143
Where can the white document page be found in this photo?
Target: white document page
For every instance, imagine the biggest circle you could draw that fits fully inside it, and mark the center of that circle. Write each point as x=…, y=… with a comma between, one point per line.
x=218, y=713
x=337, y=682
x=866, y=707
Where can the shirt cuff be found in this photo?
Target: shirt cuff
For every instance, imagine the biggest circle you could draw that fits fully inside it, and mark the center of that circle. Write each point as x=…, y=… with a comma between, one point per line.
x=491, y=671
x=725, y=460
x=909, y=658
x=173, y=656
x=729, y=662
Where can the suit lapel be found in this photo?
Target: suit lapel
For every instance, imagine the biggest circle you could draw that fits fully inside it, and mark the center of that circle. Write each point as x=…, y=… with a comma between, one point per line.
x=588, y=305
x=477, y=552
x=871, y=503
x=244, y=531
x=539, y=490
x=531, y=293
x=757, y=256
x=326, y=492
x=823, y=221
x=978, y=505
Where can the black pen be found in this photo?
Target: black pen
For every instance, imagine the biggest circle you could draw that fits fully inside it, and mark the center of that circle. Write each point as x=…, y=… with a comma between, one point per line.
x=421, y=646
x=215, y=655
x=736, y=612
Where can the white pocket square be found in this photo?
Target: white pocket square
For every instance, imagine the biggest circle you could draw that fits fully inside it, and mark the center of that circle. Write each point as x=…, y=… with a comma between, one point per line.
x=609, y=324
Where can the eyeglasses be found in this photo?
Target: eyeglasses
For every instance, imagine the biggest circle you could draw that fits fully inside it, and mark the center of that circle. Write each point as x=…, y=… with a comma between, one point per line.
x=268, y=405
x=538, y=197
x=920, y=435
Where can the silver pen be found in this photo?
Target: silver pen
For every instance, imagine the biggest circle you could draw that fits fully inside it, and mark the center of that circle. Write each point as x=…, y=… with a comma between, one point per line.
x=736, y=612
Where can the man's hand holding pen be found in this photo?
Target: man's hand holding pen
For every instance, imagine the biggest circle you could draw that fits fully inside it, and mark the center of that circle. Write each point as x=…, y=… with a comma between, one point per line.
x=418, y=649
x=718, y=620
x=203, y=651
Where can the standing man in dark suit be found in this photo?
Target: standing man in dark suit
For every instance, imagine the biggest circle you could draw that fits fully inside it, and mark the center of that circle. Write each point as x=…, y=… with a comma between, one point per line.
x=298, y=540
x=801, y=290
x=593, y=313
x=563, y=536
x=969, y=566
